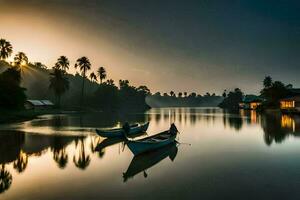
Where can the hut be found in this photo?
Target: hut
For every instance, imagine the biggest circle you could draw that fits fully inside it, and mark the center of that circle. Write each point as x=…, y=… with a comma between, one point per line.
x=38, y=104
x=250, y=102
x=290, y=105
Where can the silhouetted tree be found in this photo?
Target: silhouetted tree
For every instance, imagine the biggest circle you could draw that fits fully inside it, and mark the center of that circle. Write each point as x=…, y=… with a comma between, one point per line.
x=144, y=89
x=172, y=93
x=59, y=83
x=62, y=63
x=40, y=65
x=20, y=59
x=11, y=94
x=267, y=82
x=84, y=65
x=233, y=99
x=224, y=94
x=273, y=92
x=110, y=82
x=123, y=84
x=102, y=74
x=185, y=94
x=180, y=94
x=6, y=49
x=93, y=77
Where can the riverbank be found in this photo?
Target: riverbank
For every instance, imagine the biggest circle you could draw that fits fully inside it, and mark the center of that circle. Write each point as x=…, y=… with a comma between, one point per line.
x=8, y=116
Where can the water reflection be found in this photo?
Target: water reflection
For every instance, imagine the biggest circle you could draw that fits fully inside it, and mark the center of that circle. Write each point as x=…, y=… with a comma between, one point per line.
x=141, y=163
x=17, y=147
x=212, y=132
x=5, y=179
x=82, y=160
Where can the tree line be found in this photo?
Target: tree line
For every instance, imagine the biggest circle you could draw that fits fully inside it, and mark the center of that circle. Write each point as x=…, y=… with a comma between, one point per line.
x=183, y=99
x=104, y=95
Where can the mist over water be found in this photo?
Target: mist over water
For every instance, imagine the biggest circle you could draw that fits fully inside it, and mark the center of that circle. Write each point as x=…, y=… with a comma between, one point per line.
x=240, y=155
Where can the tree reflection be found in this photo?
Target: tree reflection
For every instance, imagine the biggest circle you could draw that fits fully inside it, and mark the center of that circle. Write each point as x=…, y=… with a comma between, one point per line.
x=61, y=157
x=95, y=142
x=21, y=162
x=82, y=161
x=273, y=131
x=232, y=118
x=5, y=179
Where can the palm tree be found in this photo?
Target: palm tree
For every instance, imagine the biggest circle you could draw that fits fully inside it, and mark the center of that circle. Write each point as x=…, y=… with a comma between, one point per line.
x=172, y=93
x=20, y=59
x=267, y=82
x=59, y=83
x=83, y=160
x=93, y=77
x=5, y=179
x=102, y=73
x=84, y=65
x=5, y=49
x=185, y=94
x=110, y=82
x=62, y=63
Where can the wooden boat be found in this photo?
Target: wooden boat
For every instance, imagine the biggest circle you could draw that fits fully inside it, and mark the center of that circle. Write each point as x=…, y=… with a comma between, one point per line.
x=112, y=141
x=142, y=162
x=119, y=132
x=153, y=142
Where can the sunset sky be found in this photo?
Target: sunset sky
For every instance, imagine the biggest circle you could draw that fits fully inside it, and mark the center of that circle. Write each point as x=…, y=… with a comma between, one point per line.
x=196, y=45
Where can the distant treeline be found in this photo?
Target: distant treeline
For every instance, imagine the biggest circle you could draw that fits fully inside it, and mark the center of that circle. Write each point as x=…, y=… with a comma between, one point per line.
x=183, y=100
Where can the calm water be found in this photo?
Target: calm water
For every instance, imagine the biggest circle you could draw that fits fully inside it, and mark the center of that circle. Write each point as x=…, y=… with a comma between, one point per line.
x=232, y=155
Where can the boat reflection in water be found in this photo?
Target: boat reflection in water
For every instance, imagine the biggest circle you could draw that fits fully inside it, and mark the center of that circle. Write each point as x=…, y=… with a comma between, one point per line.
x=142, y=162
x=107, y=142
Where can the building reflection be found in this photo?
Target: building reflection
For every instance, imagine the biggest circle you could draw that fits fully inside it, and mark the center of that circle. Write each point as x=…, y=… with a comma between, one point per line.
x=277, y=127
x=288, y=122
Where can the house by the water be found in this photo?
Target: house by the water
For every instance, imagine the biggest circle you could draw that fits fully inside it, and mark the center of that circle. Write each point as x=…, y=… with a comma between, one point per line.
x=250, y=102
x=290, y=105
x=38, y=104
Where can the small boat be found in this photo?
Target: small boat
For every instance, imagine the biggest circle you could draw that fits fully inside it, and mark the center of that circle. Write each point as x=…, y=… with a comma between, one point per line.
x=153, y=142
x=145, y=161
x=112, y=141
x=119, y=132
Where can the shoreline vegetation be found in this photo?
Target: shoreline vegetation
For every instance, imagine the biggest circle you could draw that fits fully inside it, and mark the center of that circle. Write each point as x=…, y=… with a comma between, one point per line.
x=271, y=94
x=22, y=80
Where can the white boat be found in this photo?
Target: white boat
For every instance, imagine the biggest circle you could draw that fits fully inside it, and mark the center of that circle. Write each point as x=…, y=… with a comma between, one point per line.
x=153, y=142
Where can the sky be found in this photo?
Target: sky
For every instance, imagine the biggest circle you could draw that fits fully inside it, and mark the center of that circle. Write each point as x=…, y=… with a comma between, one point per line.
x=194, y=45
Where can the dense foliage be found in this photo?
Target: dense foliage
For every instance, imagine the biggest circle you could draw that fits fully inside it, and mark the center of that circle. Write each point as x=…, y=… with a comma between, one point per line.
x=12, y=95
x=274, y=91
x=232, y=99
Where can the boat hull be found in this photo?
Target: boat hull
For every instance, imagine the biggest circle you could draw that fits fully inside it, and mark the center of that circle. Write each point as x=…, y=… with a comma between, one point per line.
x=138, y=147
x=120, y=132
